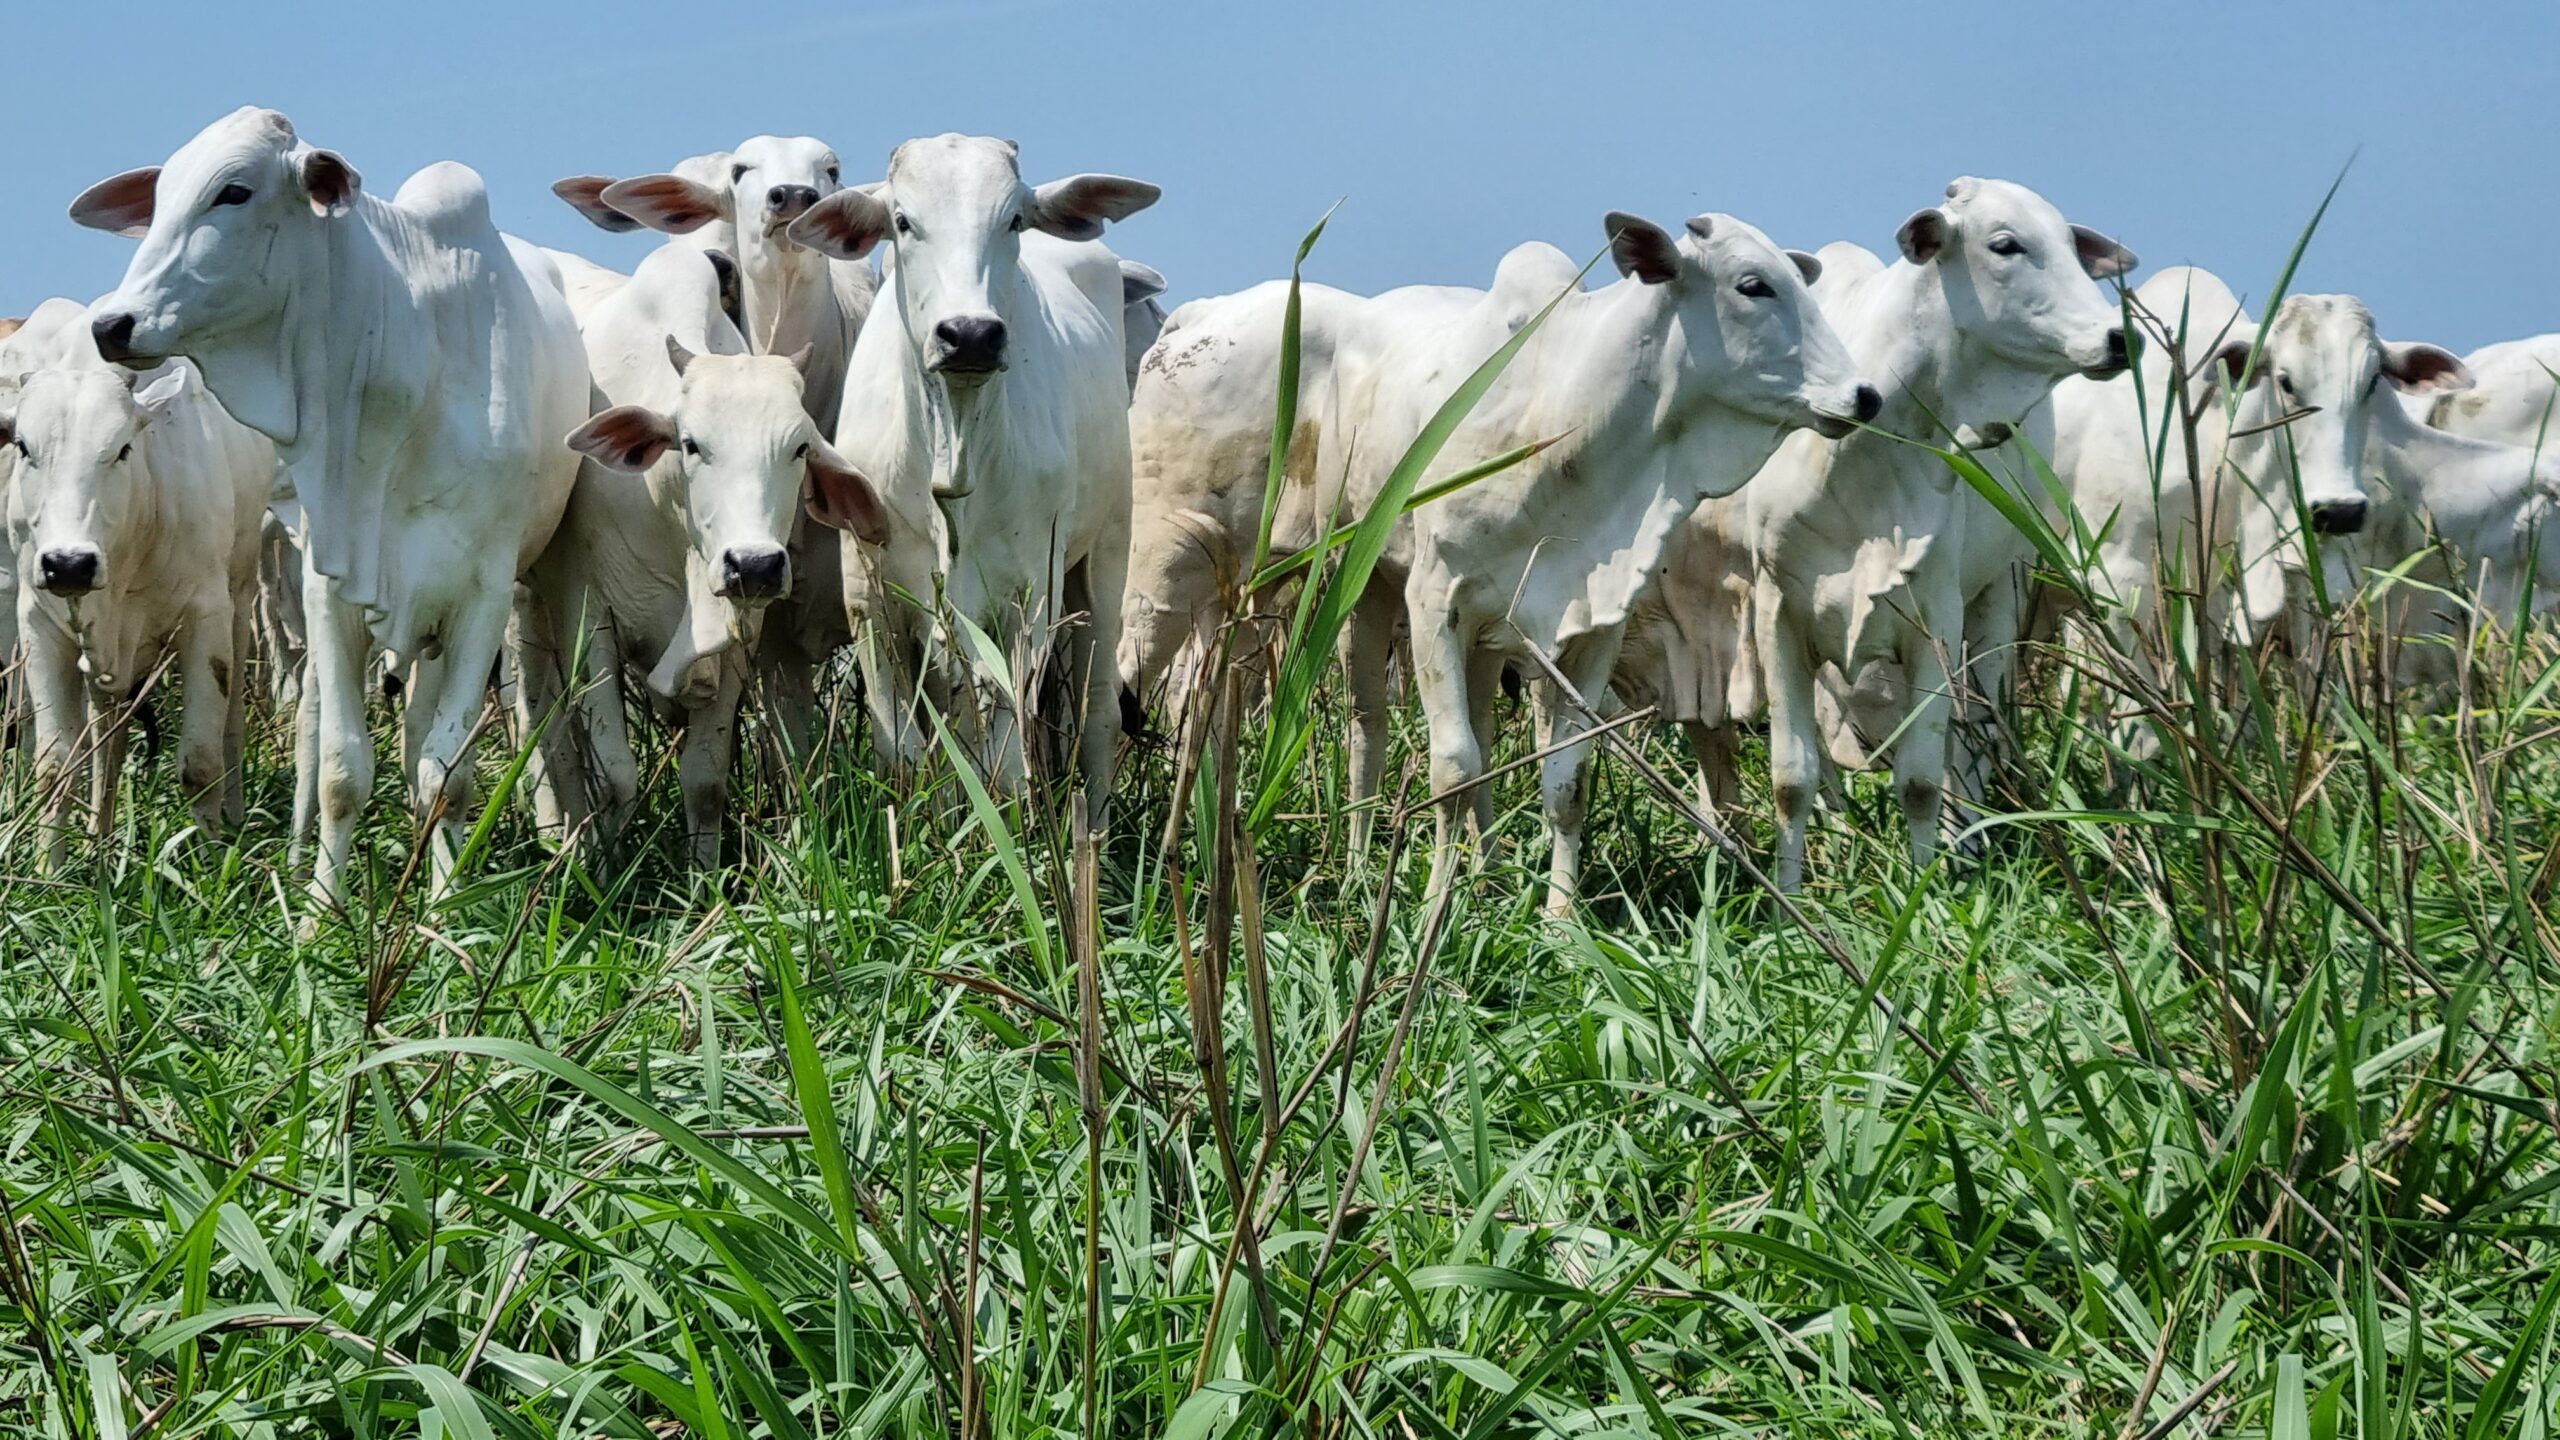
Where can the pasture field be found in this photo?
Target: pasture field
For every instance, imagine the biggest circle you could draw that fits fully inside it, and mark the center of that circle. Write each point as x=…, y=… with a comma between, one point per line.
x=2206, y=1091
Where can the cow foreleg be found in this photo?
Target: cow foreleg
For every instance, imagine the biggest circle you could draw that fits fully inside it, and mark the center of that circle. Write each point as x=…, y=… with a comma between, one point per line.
x=1586, y=664
x=59, y=708
x=1097, y=586
x=1795, y=754
x=1441, y=652
x=339, y=774
x=1368, y=643
x=205, y=679
x=702, y=769
x=1920, y=753
x=446, y=698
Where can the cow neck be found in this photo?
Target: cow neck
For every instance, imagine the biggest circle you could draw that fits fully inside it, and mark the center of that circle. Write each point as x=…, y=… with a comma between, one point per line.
x=1617, y=320
x=784, y=288
x=2464, y=488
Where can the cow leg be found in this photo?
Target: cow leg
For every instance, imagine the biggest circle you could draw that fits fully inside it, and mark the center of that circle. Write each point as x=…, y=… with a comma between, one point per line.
x=1719, y=777
x=204, y=675
x=1993, y=631
x=602, y=720
x=1441, y=652
x=342, y=749
x=1484, y=687
x=1920, y=754
x=235, y=713
x=110, y=723
x=702, y=769
x=1586, y=663
x=535, y=693
x=58, y=705
x=1795, y=752
x=445, y=701
x=1368, y=643
x=1093, y=678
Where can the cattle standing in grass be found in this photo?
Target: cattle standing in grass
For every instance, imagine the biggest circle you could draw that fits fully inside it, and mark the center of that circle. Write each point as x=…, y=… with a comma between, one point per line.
x=1669, y=386
x=991, y=407
x=415, y=381
x=133, y=522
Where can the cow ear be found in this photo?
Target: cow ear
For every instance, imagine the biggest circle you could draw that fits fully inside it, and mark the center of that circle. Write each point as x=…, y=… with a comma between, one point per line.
x=1139, y=283
x=840, y=498
x=629, y=438
x=2229, y=359
x=801, y=358
x=677, y=355
x=2424, y=369
x=1076, y=207
x=585, y=194
x=154, y=399
x=1923, y=236
x=845, y=225
x=669, y=204
x=1641, y=248
x=1806, y=265
x=120, y=203
x=329, y=181
x=2101, y=257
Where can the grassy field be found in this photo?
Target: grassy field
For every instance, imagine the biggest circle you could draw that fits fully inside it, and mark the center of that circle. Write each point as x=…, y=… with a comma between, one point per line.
x=2211, y=1097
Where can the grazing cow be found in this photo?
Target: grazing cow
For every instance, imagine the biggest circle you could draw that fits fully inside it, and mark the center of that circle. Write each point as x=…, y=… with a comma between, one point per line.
x=416, y=382
x=1669, y=386
x=133, y=524
x=675, y=540
x=994, y=416
x=1858, y=544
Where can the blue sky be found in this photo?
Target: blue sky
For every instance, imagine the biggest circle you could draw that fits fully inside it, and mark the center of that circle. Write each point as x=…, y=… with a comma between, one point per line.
x=2200, y=133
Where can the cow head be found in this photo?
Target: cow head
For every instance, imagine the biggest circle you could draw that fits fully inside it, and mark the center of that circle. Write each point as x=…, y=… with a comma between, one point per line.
x=2309, y=402
x=2015, y=278
x=743, y=458
x=758, y=188
x=953, y=210
x=81, y=441
x=1754, y=340
x=223, y=227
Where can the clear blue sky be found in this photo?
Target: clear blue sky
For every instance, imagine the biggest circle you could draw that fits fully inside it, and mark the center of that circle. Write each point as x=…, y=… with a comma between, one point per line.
x=2193, y=132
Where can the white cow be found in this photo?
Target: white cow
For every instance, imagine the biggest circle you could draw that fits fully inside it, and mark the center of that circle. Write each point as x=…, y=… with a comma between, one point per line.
x=133, y=524
x=674, y=543
x=1859, y=544
x=416, y=383
x=54, y=333
x=993, y=414
x=1667, y=387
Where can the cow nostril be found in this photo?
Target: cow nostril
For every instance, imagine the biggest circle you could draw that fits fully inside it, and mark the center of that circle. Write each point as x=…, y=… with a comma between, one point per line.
x=973, y=343
x=2338, y=517
x=67, y=572
x=790, y=200
x=1870, y=403
x=760, y=573
x=2115, y=346
x=114, y=334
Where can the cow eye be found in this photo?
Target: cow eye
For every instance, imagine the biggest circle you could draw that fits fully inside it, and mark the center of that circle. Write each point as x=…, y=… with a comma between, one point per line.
x=802, y=453
x=691, y=448
x=834, y=174
x=234, y=193
x=126, y=453
x=1757, y=287
x=2284, y=382
x=738, y=173
x=2005, y=243
x=899, y=219
x=19, y=442
x=1016, y=226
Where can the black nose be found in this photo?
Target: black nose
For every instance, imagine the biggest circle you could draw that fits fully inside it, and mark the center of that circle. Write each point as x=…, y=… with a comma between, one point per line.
x=2338, y=517
x=761, y=573
x=2116, y=353
x=114, y=334
x=970, y=345
x=67, y=572
x=1870, y=403
x=790, y=202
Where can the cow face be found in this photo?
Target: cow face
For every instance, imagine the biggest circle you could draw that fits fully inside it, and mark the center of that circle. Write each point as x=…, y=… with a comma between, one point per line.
x=81, y=442
x=745, y=459
x=2310, y=400
x=1754, y=340
x=953, y=209
x=222, y=227
x=2016, y=281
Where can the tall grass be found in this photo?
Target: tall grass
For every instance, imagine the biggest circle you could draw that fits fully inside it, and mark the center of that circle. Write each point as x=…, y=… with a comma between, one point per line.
x=2212, y=1097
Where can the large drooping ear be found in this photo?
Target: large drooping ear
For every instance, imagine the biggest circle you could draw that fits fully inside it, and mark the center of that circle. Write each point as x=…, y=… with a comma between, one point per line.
x=154, y=399
x=119, y=203
x=1924, y=235
x=2422, y=369
x=1139, y=282
x=2101, y=257
x=1641, y=248
x=845, y=225
x=328, y=180
x=669, y=204
x=1076, y=207
x=629, y=438
x=585, y=194
x=1807, y=266
x=840, y=498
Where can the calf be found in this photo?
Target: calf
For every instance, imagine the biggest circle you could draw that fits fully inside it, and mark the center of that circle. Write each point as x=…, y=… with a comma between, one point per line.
x=994, y=416
x=133, y=522
x=415, y=382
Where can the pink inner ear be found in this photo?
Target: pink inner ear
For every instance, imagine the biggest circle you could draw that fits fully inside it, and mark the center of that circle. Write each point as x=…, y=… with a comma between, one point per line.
x=121, y=204
x=668, y=203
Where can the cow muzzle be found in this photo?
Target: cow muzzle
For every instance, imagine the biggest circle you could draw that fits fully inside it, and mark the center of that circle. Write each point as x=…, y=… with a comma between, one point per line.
x=2338, y=517
x=114, y=334
x=2118, y=356
x=968, y=346
x=70, y=570
x=1864, y=406
x=786, y=203
x=755, y=573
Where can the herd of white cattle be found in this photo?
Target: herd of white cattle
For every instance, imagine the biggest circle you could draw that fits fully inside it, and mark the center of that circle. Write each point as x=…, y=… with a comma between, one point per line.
x=356, y=437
